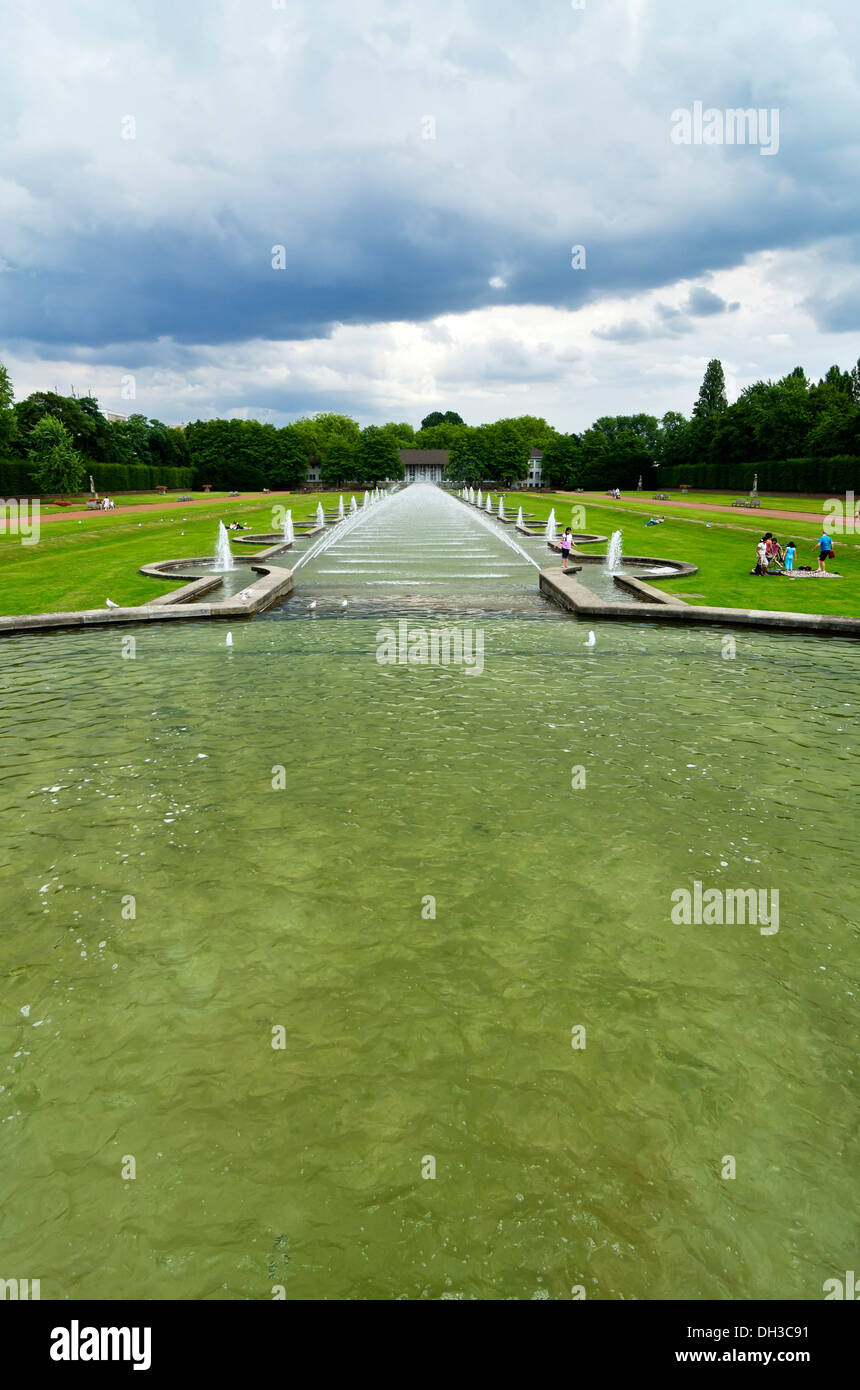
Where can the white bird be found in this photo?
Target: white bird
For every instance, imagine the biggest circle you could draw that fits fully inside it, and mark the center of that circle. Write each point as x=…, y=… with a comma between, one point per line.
x=312, y=604
x=109, y=603
x=229, y=641
x=344, y=603
x=591, y=640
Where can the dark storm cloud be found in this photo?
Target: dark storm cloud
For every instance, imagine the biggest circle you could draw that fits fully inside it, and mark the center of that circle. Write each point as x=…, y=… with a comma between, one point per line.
x=404, y=161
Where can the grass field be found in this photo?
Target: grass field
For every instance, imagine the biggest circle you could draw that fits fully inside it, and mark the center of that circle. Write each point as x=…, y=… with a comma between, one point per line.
x=723, y=549
x=78, y=564
x=139, y=499
x=784, y=502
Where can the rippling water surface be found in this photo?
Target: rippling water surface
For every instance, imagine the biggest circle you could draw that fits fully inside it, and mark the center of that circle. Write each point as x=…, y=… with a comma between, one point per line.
x=408, y=1036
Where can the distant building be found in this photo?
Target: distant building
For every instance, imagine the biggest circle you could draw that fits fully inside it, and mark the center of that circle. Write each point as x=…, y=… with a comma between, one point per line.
x=424, y=465
x=535, y=474
x=114, y=419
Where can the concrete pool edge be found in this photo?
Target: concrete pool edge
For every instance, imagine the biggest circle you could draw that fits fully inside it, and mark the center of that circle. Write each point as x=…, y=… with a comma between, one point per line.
x=274, y=583
x=655, y=606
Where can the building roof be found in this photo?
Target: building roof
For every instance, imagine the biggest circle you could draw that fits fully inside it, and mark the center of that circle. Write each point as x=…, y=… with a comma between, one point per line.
x=438, y=457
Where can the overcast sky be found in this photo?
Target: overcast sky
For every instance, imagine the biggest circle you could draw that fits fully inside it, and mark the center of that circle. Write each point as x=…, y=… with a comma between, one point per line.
x=427, y=169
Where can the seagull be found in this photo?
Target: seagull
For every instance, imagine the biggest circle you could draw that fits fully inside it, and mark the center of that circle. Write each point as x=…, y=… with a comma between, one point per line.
x=109, y=603
x=312, y=604
x=344, y=603
x=591, y=640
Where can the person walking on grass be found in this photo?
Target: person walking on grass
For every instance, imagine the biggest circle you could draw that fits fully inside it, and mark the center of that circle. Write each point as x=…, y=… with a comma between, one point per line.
x=825, y=551
x=566, y=543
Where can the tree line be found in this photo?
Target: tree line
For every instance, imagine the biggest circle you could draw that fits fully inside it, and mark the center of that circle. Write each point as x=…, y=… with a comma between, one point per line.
x=786, y=426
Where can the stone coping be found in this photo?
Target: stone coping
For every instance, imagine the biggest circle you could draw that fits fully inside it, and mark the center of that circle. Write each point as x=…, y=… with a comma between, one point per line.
x=272, y=584
x=656, y=606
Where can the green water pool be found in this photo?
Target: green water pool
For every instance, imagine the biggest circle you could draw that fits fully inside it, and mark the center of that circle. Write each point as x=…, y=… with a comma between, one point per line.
x=144, y=1029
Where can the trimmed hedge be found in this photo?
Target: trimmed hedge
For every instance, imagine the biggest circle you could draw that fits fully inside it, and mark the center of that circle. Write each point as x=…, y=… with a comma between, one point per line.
x=833, y=476
x=16, y=479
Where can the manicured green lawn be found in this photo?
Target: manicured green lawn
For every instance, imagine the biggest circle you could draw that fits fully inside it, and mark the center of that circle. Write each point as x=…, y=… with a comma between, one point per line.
x=724, y=551
x=139, y=499
x=786, y=502
x=80, y=564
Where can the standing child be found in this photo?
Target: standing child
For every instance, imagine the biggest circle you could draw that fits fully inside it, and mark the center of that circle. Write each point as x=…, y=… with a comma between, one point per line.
x=566, y=543
x=761, y=557
x=790, y=552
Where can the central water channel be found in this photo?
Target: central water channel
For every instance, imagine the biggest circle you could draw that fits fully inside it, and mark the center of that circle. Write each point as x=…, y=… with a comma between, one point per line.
x=424, y=551
x=399, y=873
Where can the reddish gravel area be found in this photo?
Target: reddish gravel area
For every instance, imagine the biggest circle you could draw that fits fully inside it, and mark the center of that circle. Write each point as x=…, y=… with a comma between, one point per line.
x=68, y=514
x=711, y=507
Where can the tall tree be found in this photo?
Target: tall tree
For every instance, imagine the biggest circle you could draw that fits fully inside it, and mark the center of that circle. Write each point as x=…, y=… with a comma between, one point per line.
x=441, y=436
x=378, y=456
x=436, y=417
x=56, y=465
x=562, y=465
x=291, y=467
x=340, y=461
x=8, y=422
x=712, y=393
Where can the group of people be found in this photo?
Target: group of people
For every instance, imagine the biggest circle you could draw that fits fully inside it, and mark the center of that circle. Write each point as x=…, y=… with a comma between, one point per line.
x=772, y=559
x=107, y=504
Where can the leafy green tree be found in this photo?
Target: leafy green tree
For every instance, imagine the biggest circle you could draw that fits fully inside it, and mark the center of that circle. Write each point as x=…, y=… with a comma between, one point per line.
x=562, y=465
x=441, y=436
x=436, y=417
x=8, y=420
x=30, y=411
x=135, y=432
x=672, y=440
x=209, y=448
x=403, y=433
x=836, y=431
x=465, y=463
x=593, y=451
x=627, y=458
x=167, y=445
x=291, y=468
x=55, y=463
x=644, y=427
x=505, y=451
x=340, y=461
x=378, y=456
x=712, y=393
x=94, y=436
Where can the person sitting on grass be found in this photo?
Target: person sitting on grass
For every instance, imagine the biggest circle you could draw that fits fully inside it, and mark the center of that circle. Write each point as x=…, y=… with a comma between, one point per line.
x=790, y=552
x=774, y=550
